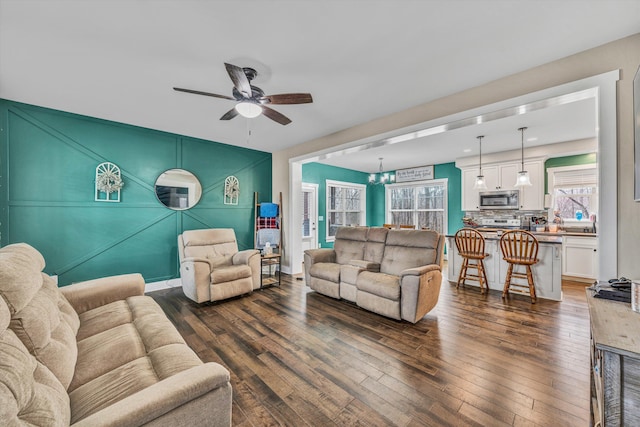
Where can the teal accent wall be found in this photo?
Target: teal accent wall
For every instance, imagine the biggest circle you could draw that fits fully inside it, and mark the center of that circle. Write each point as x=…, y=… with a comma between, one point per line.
x=556, y=162
x=316, y=173
x=454, y=197
x=47, y=173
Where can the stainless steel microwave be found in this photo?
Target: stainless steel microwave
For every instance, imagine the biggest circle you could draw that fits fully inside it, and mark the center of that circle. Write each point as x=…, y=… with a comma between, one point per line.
x=502, y=199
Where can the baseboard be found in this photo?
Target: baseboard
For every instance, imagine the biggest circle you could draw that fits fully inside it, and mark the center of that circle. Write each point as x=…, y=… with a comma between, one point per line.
x=163, y=284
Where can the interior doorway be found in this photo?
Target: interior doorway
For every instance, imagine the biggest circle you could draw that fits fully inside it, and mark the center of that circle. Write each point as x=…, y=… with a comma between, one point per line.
x=309, y=216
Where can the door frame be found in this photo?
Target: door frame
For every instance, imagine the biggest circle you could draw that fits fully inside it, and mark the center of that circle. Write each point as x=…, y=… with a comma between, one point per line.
x=312, y=188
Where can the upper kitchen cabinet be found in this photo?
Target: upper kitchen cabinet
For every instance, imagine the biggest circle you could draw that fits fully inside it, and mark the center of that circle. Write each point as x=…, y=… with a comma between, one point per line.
x=471, y=196
x=503, y=177
x=532, y=198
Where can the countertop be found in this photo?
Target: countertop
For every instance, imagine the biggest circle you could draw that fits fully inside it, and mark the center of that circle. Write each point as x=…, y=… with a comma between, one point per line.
x=545, y=233
x=543, y=237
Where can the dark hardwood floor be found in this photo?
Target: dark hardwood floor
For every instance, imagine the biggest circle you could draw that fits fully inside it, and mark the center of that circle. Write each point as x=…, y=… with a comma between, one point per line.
x=299, y=358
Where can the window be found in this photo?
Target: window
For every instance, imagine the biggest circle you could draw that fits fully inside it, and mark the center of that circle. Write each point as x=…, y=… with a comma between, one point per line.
x=346, y=206
x=574, y=190
x=422, y=204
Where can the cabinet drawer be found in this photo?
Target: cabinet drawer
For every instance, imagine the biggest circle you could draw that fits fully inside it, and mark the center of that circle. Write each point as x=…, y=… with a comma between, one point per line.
x=591, y=242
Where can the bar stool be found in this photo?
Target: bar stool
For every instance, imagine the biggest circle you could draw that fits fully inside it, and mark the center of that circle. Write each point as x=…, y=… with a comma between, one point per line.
x=470, y=244
x=519, y=247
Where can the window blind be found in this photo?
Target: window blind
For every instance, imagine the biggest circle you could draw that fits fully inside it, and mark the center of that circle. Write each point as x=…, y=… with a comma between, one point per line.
x=576, y=178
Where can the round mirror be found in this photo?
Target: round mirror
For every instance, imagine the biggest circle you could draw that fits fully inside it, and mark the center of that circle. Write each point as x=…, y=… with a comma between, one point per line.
x=178, y=189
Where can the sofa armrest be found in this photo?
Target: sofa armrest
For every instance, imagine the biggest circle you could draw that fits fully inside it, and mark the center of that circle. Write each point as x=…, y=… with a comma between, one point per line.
x=313, y=256
x=419, y=271
x=170, y=394
x=195, y=276
x=84, y=296
x=419, y=291
x=320, y=255
x=365, y=265
x=242, y=257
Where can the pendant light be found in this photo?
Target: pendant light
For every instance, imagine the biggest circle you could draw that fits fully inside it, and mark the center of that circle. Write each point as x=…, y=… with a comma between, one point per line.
x=480, y=183
x=384, y=178
x=523, y=179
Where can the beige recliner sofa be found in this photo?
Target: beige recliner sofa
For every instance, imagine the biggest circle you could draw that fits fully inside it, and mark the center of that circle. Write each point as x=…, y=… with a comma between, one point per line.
x=96, y=353
x=212, y=268
x=395, y=273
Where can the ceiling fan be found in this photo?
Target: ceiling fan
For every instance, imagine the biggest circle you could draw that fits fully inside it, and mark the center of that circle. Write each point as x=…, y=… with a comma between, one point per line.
x=252, y=100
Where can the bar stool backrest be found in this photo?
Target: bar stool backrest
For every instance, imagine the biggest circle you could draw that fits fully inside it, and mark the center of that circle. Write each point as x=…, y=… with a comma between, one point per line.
x=469, y=242
x=519, y=247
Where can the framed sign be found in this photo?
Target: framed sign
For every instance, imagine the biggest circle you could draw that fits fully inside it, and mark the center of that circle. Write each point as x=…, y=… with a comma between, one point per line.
x=414, y=174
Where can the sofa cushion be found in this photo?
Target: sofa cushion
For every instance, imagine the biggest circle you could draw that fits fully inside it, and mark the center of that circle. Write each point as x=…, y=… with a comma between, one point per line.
x=137, y=347
x=209, y=242
x=230, y=273
x=349, y=274
x=326, y=270
x=20, y=274
x=220, y=261
x=349, y=243
x=44, y=322
x=29, y=393
x=374, y=248
x=407, y=249
x=380, y=284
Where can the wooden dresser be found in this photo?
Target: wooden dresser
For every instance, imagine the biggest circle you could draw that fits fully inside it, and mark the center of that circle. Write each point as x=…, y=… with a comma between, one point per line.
x=615, y=363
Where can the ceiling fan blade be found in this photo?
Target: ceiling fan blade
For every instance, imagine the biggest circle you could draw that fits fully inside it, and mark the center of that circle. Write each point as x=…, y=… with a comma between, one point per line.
x=289, y=98
x=239, y=79
x=230, y=114
x=275, y=116
x=198, y=92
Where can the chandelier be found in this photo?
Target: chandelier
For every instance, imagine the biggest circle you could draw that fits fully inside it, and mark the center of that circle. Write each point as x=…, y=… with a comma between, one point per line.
x=381, y=177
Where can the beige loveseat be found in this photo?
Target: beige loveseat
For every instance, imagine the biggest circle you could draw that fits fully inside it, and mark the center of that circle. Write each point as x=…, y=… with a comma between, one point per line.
x=395, y=273
x=96, y=353
x=212, y=268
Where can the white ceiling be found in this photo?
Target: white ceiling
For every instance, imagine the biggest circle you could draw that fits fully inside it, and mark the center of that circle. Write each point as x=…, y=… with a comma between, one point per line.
x=119, y=59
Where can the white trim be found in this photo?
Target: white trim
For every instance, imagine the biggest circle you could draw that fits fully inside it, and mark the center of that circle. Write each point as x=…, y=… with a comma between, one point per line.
x=315, y=188
x=163, y=284
x=343, y=184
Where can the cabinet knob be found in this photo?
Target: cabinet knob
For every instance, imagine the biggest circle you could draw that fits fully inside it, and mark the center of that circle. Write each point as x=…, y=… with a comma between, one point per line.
x=595, y=250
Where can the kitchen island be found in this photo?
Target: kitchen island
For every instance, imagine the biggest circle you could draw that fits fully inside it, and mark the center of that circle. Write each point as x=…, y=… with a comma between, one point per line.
x=547, y=273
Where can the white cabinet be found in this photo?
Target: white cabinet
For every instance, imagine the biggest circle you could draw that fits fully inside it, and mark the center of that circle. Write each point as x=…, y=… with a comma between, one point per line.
x=471, y=196
x=580, y=257
x=508, y=177
x=532, y=198
x=503, y=177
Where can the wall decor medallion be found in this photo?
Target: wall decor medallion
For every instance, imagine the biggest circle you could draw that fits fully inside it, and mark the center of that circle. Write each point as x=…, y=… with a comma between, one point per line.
x=108, y=182
x=231, y=190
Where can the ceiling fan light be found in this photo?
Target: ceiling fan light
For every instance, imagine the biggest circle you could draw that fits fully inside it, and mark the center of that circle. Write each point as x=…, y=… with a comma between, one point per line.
x=249, y=109
x=523, y=179
x=480, y=183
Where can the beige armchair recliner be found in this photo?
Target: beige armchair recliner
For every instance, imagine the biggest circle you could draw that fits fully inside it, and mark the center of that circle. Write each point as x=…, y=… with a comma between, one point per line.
x=212, y=268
